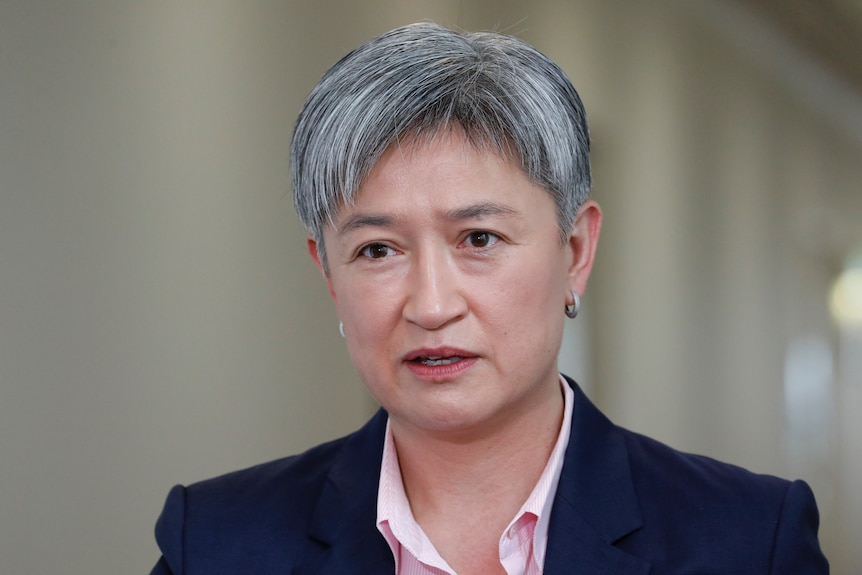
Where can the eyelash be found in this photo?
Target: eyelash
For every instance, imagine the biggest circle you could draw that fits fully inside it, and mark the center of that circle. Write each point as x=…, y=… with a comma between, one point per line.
x=491, y=239
x=366, y=251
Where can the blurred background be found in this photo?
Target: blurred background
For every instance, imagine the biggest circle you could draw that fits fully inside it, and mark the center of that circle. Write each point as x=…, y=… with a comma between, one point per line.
x=160, y=321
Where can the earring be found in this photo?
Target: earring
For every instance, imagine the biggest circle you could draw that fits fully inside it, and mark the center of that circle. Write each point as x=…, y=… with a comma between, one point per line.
x=341, y=328
x=572, y=310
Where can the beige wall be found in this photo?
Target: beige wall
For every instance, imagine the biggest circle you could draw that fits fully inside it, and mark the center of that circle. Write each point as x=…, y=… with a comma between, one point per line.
x=160, y=321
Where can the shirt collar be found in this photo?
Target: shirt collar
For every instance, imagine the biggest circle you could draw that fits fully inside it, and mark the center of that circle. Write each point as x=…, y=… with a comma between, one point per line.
x=396, y=522
x=541, y=499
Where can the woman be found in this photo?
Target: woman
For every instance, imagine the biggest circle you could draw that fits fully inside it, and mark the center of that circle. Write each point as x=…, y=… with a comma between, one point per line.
x=444, y=181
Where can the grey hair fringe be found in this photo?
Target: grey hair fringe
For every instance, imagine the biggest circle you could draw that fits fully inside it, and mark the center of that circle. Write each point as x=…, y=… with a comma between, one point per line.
x=421, y=79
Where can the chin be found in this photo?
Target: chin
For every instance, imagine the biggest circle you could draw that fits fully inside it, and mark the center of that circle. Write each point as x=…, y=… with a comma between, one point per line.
x=449, y=419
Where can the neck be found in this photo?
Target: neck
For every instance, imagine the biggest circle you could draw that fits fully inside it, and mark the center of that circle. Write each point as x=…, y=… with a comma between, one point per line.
x=496, y=466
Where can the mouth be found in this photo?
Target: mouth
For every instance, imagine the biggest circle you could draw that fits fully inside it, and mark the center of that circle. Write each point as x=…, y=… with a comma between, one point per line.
x=434, y=361
x=441, y=362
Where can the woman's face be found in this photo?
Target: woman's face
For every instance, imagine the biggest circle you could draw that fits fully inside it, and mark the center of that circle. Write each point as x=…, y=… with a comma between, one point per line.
x=450, y=278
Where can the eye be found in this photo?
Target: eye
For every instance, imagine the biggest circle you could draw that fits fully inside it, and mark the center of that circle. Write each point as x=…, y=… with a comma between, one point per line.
x=376, y=251
x=481, y=239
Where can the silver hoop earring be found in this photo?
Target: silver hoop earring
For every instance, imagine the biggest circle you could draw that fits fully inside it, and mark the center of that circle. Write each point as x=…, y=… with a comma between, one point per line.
x=572, y=310
x=341, y=328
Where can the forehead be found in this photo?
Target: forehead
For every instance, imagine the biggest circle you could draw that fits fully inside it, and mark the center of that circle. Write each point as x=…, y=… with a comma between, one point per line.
x=444, y=169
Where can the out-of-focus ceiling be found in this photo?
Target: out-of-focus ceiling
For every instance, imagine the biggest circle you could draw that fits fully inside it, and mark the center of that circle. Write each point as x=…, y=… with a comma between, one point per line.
x=831, y=30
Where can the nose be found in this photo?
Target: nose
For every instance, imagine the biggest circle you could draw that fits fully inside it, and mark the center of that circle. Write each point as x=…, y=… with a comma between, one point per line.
x=435, y=297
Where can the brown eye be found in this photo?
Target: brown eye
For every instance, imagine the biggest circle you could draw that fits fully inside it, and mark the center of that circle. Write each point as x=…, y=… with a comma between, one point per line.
x=481, y=239
x=376, y=251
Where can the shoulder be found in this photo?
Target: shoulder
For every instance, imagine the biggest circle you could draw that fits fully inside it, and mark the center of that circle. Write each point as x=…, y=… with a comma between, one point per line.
x=723, y=513
x=277, y=496
x=673, y=508
x=661, y=476
x=689, y=478
x=290, y=481
x=287, y=489
x=222, y=524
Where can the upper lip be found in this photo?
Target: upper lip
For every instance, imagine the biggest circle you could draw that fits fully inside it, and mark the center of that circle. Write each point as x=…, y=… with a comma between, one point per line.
x=436, y=352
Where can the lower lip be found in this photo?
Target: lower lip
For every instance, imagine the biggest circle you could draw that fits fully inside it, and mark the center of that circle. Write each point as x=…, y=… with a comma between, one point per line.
x=440, y=373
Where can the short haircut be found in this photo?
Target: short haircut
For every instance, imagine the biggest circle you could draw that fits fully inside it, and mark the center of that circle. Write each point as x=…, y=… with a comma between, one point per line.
x=420, y=80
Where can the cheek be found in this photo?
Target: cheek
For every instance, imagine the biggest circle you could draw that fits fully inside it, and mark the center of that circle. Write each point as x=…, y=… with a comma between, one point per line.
x=367, y=309
x=538, y=286
x=368, y=326
x=531, y=306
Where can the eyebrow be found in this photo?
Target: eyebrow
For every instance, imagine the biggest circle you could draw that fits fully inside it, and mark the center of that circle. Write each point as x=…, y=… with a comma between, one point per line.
x=481, y=210
x=365, y=221
x=473, y=212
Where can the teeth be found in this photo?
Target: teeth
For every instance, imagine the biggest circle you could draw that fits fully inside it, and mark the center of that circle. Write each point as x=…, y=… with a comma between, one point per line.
x=437, y=360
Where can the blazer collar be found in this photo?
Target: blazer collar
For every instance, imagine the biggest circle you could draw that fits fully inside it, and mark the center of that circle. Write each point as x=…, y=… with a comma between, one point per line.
x=344, y=521
x=595, y=504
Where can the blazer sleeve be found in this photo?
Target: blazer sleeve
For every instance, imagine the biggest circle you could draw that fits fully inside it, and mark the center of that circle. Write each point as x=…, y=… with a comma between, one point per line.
x=169, y=533
x=796, y=549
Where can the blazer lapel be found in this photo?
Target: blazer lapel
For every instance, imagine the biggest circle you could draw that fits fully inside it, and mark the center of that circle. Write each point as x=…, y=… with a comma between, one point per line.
x=595, y=504
x=575, y=548
x=343, y=527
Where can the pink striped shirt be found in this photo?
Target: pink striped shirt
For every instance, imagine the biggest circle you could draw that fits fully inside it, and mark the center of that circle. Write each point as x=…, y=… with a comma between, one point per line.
x=523, y=543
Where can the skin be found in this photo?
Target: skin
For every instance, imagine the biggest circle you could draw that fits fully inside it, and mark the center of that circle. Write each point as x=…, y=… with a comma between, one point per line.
x=450, y=277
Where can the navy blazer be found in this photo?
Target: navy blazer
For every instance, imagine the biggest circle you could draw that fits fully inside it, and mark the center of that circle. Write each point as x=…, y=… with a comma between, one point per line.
x=625, y=505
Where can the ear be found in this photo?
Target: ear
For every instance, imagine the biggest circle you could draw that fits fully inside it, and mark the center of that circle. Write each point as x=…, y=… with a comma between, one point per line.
x=315, y=256
x=582, y=245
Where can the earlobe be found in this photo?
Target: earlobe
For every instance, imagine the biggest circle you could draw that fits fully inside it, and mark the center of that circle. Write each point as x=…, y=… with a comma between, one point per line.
x=583, y=242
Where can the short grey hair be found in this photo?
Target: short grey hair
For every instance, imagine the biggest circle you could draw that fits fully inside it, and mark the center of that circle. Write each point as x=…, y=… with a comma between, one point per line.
x=420, y=80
